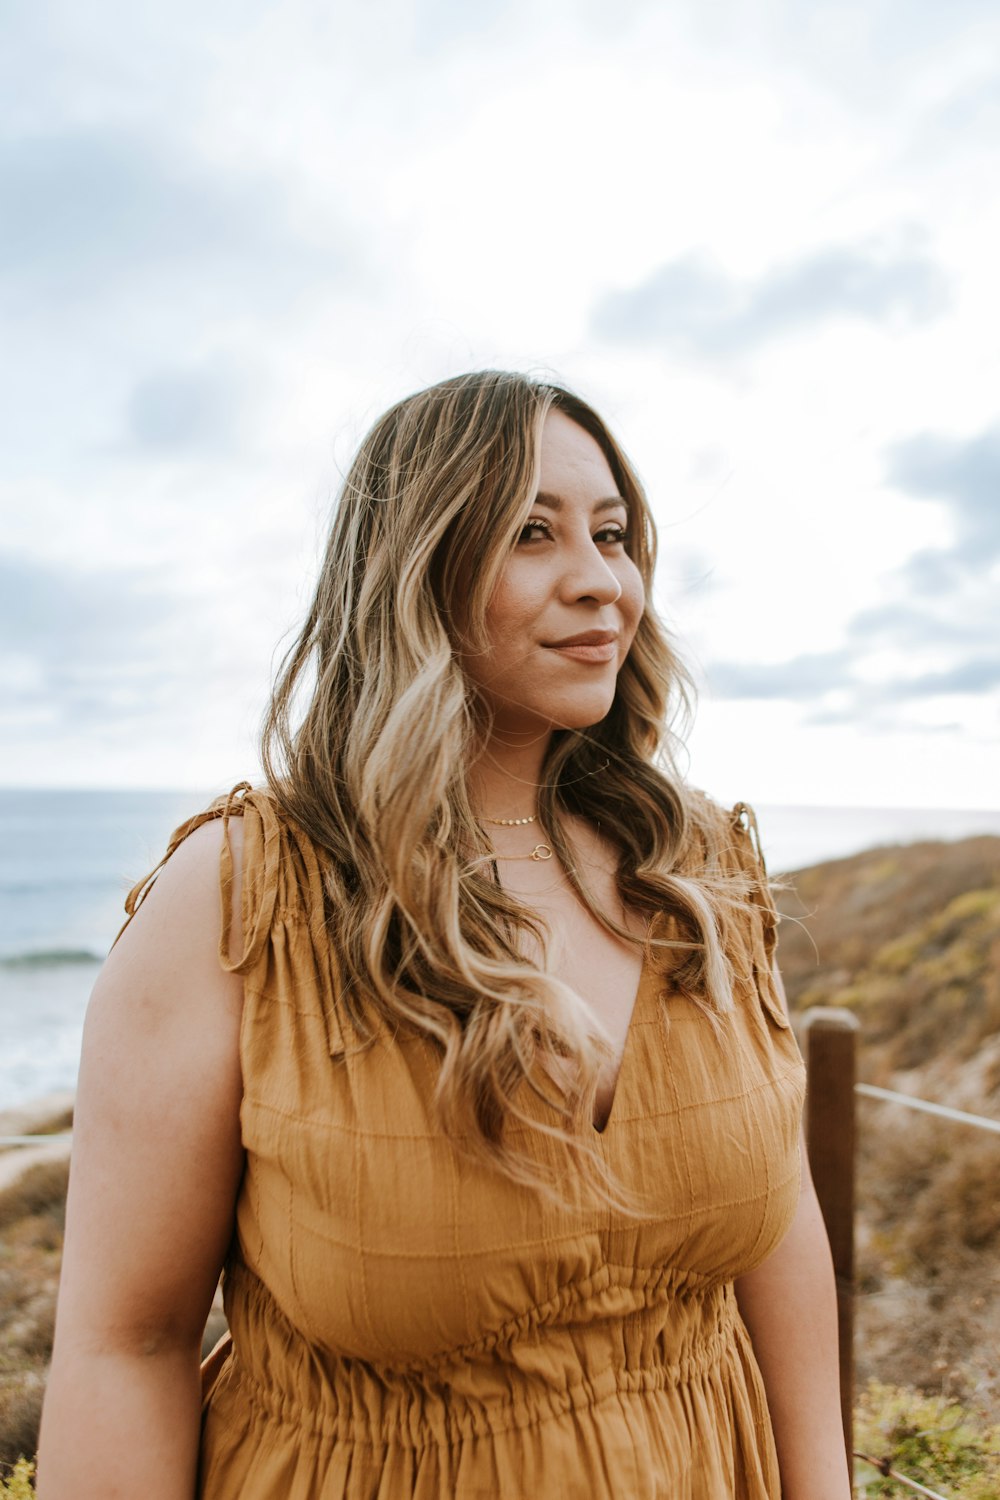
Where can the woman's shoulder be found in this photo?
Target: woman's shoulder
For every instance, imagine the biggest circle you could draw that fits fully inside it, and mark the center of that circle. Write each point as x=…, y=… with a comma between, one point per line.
x=178, y=901
x=196, y=893
x=266, y=866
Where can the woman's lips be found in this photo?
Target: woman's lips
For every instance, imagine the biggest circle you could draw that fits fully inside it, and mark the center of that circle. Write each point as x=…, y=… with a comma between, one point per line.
x=599, y=652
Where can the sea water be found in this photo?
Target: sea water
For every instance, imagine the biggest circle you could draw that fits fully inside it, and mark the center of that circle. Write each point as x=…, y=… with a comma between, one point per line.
x=67, y=862
x=68, y=859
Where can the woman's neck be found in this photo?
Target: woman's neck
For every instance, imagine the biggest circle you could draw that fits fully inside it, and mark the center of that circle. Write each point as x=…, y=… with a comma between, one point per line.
x=504, y=781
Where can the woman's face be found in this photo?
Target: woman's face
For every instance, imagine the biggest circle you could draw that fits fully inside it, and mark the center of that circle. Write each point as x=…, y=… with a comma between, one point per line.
x=564, y=612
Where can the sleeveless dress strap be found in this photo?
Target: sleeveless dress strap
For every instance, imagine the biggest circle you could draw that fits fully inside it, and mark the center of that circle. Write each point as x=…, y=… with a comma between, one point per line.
x=750, y=856
x=226, y=878
x=261, y=831
x=745, y=818
x=261, y=859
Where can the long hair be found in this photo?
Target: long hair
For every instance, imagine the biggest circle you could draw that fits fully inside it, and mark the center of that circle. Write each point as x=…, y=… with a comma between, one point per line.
x=373, y=726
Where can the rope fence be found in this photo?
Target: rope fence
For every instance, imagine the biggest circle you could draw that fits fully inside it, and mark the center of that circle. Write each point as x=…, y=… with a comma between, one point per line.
x=34, y=1140
x=910, y=1101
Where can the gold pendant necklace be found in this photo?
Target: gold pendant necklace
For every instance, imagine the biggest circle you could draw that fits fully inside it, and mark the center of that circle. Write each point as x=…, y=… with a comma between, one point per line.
x=540, y=852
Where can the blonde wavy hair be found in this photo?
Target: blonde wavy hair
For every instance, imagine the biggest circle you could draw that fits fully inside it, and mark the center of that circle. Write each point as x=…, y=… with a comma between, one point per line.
x=373, y=766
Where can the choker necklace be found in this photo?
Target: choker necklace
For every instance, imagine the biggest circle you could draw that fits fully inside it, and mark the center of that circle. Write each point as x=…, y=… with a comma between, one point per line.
x=540, y=851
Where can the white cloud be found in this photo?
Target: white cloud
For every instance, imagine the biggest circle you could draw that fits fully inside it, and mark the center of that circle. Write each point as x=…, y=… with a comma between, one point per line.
x=966, y=474
x=692, y=304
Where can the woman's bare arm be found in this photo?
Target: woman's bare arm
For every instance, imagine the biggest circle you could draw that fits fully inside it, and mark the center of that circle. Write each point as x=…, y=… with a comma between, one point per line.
x=789, y=1305
x=155, y=1170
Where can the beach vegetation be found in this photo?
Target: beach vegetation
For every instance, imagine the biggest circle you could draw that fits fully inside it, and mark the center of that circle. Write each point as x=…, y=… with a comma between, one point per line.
x=16, y=1480
x=32, y=1215
x=941, y=1444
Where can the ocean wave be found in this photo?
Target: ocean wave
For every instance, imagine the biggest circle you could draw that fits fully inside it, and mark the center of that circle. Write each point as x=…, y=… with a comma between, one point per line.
x=50, y=958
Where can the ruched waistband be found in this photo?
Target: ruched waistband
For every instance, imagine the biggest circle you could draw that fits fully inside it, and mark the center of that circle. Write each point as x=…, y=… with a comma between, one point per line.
x=653, y=1331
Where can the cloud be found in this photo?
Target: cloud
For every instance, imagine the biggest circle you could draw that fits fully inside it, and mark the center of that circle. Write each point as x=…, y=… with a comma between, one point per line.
x=87, y=212
x=934, y=573
x=938, y=636
x=978, y=675
x=692, y=305
x=80, y=644
x=807, y=676
x=441, y=25
x=965, y=474
x=925, y=624
x=810, y=679
x=186, y=409
x=923, y=646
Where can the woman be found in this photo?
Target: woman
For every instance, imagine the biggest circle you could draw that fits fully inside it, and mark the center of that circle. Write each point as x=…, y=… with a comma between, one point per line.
x=481, y=1087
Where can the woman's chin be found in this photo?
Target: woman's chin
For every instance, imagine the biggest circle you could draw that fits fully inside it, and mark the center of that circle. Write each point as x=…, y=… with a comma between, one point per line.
x=555, y=714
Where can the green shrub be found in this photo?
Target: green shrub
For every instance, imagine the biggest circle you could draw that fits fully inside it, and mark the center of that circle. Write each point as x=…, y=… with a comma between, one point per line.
x=17, y=1485
x=937, y=1442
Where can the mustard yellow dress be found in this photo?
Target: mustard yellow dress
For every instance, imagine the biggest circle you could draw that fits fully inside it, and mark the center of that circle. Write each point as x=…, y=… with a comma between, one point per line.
x=407, y=1326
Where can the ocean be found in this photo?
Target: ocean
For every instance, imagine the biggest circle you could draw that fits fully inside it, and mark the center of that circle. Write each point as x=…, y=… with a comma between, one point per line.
x=68, y=859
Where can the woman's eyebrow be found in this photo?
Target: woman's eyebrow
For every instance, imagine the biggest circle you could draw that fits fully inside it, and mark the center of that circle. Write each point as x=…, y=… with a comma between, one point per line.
x=554, y=502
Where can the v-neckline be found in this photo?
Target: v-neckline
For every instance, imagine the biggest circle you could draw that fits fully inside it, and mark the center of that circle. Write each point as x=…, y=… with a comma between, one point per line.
x=623, y=1056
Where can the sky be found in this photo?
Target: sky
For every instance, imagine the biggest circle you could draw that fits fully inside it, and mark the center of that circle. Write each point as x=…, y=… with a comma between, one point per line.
x=761, y=238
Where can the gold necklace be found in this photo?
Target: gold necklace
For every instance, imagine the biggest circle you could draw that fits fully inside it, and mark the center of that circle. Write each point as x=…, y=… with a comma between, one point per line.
x=540, y=852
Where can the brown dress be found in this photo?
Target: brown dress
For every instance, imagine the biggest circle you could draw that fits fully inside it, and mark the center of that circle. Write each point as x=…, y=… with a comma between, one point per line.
x=407, y=1326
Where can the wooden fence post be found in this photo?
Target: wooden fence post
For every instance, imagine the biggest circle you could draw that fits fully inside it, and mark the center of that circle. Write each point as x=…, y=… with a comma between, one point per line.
x=830, y=1054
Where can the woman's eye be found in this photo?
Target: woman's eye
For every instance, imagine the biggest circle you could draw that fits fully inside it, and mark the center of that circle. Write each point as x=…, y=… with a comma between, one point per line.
x=534, y=531
x=531, y=530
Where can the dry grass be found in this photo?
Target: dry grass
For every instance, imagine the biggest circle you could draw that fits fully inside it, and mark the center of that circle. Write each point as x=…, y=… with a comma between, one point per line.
x=851, y=908
x=39, y=1193
x=32, y=1213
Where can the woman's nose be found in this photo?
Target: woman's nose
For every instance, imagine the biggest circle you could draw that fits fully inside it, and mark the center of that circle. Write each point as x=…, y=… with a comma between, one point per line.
x=588, y=576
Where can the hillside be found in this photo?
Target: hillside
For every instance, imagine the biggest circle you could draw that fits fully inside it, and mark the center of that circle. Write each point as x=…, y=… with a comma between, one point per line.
x=908, y=938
